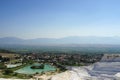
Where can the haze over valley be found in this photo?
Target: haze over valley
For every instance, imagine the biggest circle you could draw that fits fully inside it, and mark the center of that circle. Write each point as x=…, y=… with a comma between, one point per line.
x=65, y=40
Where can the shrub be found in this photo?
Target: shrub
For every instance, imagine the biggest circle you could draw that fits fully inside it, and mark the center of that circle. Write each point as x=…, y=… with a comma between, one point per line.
x=8, y=71
x=2, y=66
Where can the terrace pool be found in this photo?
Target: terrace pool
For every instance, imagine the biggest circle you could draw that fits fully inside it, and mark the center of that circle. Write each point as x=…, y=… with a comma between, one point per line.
x=28, y=70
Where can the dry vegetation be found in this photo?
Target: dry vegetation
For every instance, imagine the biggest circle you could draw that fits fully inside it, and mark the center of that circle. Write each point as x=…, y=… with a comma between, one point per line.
x=10, y=55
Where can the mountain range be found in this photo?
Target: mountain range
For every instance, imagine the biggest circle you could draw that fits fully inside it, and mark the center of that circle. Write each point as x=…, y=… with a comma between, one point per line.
x=65, y=40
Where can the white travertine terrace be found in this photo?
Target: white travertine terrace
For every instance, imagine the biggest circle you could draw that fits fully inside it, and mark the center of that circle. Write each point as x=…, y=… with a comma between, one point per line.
x=107, y=69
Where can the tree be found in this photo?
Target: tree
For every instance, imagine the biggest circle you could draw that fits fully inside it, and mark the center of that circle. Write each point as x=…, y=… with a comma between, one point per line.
x=7, y=71
x=2, y=66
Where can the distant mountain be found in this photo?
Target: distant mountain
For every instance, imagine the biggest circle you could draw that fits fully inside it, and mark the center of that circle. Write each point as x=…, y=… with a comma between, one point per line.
x=66, y=40
x=11, y=40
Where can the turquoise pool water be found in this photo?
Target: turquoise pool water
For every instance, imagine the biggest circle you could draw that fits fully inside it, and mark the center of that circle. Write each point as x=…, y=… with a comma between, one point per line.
x=28, y=70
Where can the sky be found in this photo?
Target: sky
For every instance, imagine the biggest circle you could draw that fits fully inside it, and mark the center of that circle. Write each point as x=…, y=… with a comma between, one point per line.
x=30, y=19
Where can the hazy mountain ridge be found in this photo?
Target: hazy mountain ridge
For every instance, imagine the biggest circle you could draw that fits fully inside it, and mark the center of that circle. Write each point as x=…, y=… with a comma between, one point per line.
x=66, y=40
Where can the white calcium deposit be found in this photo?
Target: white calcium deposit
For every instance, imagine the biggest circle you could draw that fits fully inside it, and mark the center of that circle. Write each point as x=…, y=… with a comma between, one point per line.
x=103, y=70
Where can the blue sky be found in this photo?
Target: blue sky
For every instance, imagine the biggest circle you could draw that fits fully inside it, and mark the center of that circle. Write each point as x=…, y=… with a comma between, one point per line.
x=59, y=18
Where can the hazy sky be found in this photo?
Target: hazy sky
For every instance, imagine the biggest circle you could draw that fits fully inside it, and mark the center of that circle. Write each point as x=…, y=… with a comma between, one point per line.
x=59, y=18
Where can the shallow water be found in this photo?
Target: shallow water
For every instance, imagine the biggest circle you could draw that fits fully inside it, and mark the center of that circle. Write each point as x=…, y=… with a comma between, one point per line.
x=28, y=70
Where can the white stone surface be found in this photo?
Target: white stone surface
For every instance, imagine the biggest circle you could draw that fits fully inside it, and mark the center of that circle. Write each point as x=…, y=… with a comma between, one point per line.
x=97, y=71
x=13, y=65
